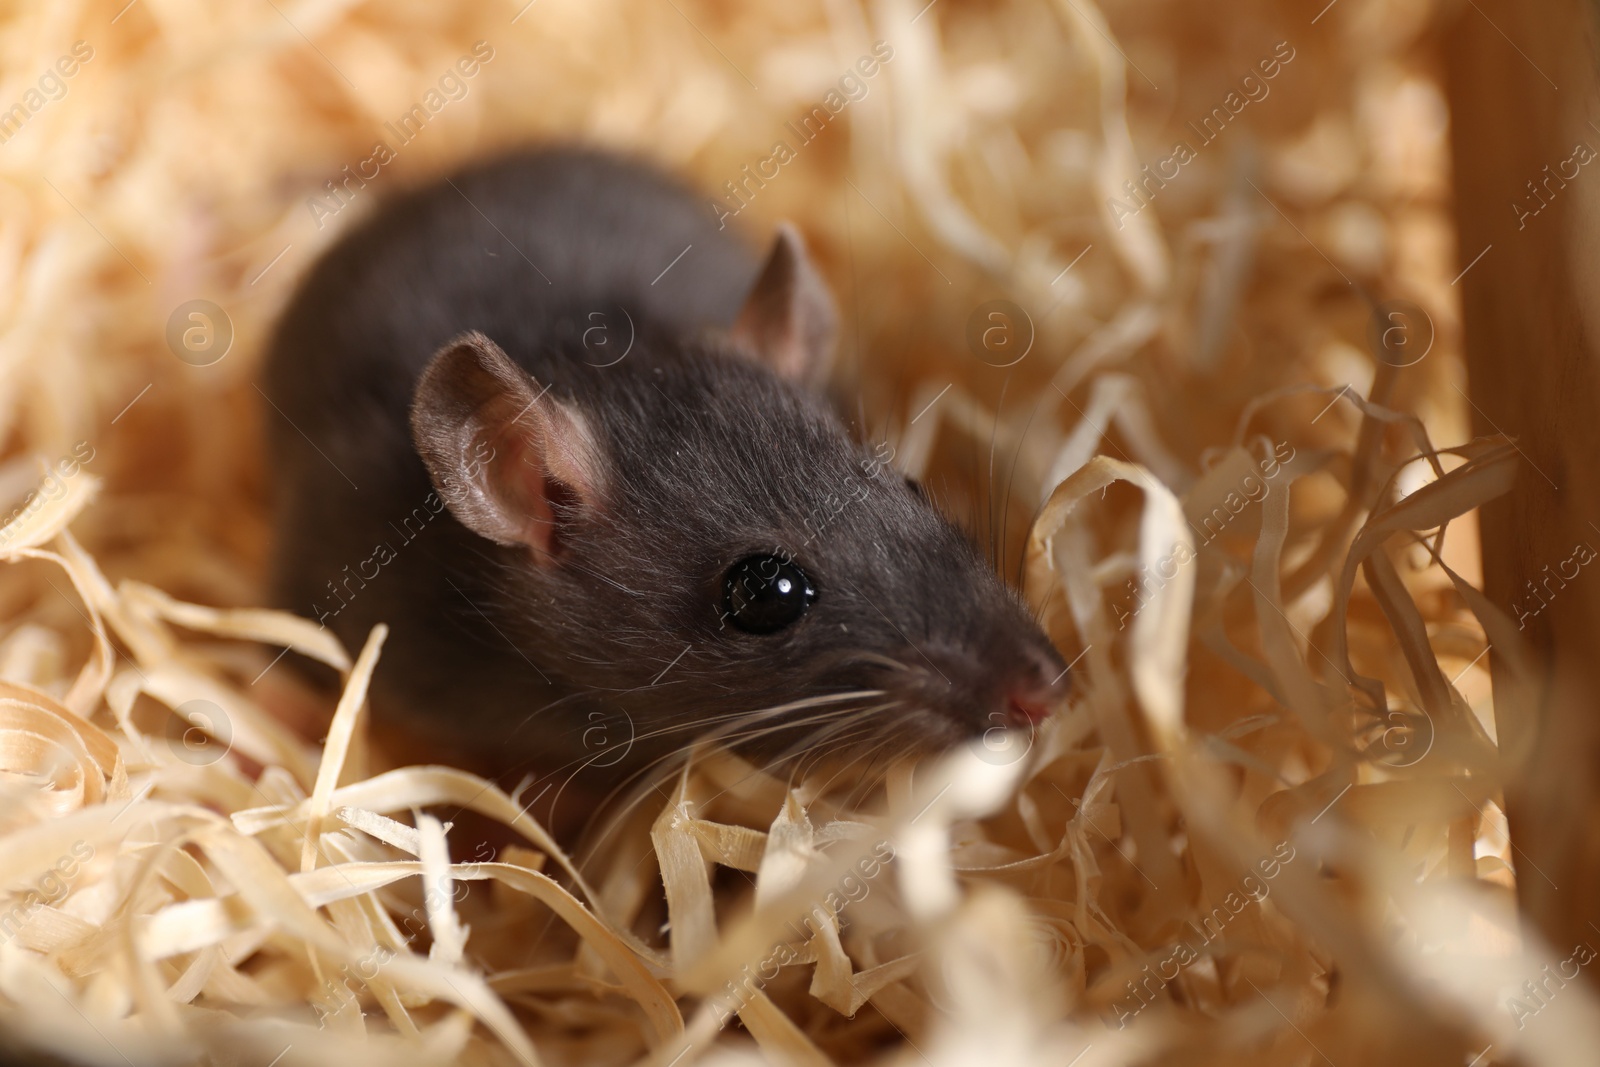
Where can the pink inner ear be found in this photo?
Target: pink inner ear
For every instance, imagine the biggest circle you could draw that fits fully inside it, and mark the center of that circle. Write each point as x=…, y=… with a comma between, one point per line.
x=515, y=477
x=541, y=474
x=511, y=463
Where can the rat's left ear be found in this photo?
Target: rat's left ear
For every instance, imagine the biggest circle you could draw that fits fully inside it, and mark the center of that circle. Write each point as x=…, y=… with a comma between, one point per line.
x=788, y=321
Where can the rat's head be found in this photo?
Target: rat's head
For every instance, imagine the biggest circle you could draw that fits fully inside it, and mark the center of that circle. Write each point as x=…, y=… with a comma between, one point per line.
x=692, y=540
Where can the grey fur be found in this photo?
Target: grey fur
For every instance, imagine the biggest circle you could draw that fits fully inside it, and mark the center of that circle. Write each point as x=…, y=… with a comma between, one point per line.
x=706, y=456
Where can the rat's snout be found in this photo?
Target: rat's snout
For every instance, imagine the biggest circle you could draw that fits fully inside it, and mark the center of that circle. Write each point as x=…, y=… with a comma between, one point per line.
x=1028, y=706
x=1038, y=692
x=1012, y=683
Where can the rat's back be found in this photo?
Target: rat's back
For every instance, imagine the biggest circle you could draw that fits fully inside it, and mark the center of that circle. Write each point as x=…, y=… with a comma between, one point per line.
x=529, y=249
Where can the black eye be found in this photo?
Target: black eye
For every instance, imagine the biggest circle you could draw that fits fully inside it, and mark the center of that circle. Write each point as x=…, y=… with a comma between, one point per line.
x=763, y=594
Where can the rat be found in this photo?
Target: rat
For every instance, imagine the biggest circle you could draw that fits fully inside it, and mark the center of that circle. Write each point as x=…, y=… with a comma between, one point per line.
x=567, y=436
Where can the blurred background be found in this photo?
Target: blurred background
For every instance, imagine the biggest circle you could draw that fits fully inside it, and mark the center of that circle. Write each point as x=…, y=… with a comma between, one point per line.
x=206, y=154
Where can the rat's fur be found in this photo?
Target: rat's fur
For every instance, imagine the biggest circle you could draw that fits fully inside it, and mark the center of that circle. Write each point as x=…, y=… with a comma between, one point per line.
x=613, y=649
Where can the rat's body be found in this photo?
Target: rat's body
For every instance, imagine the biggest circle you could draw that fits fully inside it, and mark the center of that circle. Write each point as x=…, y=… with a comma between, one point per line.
x=551, y=542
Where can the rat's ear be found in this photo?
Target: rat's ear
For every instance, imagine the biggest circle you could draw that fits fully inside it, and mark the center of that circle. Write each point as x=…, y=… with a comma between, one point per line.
x=788, y=320
x=511, y=462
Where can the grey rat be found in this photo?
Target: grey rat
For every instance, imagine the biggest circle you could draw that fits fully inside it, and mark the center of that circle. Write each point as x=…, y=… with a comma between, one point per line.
x=563, y=433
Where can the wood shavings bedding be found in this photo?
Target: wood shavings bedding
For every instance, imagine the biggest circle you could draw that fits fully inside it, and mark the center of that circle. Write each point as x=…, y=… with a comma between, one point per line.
x=1266, y=831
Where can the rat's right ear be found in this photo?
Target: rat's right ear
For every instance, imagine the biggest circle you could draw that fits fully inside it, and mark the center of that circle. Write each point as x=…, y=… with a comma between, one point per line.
x=512, y=463
x=788, y=321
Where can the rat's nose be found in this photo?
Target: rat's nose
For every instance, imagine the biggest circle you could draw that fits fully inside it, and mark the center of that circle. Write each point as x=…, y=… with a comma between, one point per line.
x=1026, y=708
x=1029, y=703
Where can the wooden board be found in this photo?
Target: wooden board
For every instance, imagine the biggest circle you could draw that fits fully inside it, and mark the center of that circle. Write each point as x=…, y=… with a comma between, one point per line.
x=1526, y=140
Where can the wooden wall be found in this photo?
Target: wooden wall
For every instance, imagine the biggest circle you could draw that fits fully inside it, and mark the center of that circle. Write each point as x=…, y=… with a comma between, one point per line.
x=1523, y=93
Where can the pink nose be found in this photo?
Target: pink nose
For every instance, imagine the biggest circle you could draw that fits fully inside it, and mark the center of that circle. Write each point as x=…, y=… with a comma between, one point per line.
x=1028, y=707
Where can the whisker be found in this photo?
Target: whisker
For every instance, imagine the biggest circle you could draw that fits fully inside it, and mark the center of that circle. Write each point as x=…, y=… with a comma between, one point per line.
x=844, y=768
x=642, y=787
x=726, y=733
x=1011, y=481
x=997, y=556
x=869, y=781
x=877, y=659
x=812, y=744
x=822, y=700
x=683, y=749
x=540, y=711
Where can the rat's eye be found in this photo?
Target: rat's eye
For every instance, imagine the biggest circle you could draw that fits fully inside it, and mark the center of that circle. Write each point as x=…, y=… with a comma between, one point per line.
x=763, y=594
